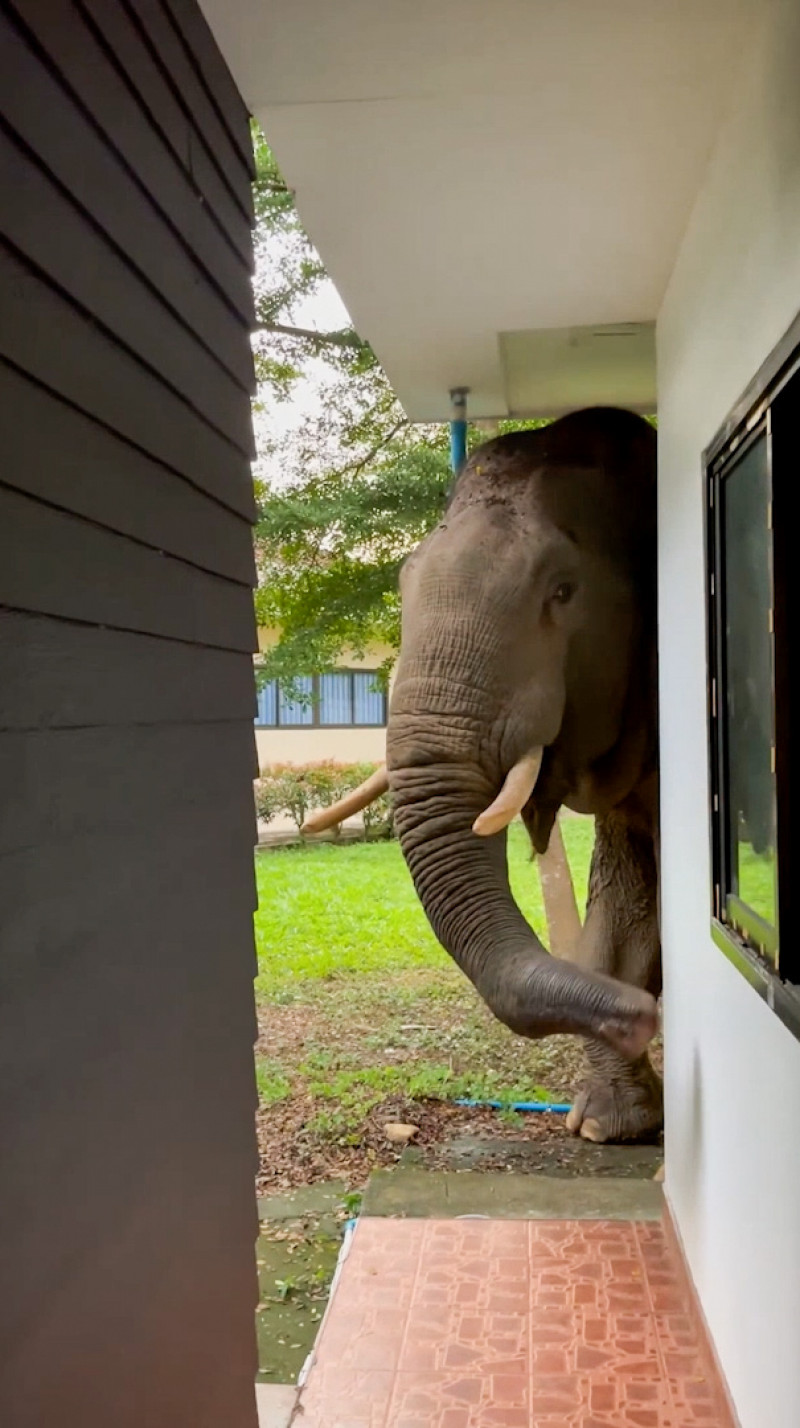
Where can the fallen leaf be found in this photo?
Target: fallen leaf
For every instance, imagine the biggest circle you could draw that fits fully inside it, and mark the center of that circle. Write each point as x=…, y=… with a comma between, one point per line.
x=398, y=1133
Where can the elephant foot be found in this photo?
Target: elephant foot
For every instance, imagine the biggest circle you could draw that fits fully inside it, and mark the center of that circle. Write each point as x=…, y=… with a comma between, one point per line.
x=629, y=1105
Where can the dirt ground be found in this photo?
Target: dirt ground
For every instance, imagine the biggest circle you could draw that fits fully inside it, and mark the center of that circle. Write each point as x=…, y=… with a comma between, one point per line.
x=302, y=1141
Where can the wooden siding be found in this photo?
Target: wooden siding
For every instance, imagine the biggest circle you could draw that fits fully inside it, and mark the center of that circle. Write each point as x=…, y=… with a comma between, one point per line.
x=127, y=751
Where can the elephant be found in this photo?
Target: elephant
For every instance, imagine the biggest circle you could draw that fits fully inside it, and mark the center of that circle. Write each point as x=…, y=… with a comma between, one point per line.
x=527, y=680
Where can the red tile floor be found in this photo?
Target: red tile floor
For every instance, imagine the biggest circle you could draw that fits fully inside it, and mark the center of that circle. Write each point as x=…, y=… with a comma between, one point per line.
x=510, y=1324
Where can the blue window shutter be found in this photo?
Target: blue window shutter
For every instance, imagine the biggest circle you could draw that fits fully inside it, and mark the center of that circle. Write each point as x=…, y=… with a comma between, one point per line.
x=369, y=701
x=295, y=713
x=334, y=702
x=267, y=705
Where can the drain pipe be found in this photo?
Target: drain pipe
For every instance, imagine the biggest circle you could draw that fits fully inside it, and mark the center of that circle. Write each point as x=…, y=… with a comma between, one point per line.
x=458, y=428
x=458, y=455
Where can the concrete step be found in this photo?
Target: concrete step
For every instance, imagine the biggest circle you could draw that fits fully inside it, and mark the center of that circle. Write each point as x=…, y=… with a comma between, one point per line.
x=276, y=1402
x=408, y=1193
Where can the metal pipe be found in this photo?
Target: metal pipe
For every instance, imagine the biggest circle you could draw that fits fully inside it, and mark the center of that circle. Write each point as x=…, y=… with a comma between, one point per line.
x=458, y=428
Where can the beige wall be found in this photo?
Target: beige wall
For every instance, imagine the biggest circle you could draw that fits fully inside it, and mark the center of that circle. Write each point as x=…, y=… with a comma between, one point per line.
x=371, y=659
x=303, y=746
x=311, y=745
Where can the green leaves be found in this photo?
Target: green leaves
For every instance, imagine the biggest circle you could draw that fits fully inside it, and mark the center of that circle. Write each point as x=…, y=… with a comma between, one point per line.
x=353, y=487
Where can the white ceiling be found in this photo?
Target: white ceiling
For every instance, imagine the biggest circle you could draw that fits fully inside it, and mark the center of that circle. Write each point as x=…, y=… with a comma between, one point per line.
x=490, y=182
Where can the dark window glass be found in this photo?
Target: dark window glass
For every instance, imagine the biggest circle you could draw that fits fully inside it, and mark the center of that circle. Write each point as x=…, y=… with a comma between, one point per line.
x=346, y=697
x=749, y=694
x=752, y=474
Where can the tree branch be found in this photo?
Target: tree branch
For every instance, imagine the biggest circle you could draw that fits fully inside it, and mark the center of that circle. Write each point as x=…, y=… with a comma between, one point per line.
x=271, y=185
x=309, y=334
x=355, y=467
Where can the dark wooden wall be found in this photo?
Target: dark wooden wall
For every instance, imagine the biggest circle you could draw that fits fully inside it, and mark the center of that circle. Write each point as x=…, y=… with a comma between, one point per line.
x=127, y=1213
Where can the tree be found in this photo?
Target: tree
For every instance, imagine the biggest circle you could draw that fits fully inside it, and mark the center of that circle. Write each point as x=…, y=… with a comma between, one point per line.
x=347, y=493
x=289, y=271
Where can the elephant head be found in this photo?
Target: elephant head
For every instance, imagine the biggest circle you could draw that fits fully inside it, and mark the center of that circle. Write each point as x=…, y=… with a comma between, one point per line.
x=526, y=681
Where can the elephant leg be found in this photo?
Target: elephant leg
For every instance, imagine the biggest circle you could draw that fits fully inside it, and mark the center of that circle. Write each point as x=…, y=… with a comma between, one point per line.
x=620, y=1100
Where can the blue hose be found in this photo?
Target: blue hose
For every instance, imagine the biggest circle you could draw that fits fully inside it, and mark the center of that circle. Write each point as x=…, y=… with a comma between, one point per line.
x=556, y=1107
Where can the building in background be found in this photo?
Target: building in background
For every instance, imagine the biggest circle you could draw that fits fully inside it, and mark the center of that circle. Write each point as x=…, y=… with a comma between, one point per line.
x=339, y=715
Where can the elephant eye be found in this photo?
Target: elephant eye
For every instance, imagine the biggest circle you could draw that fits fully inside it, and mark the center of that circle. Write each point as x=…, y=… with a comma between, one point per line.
x=564, y=592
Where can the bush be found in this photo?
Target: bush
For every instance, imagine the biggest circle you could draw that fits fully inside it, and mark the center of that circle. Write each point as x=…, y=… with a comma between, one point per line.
x=269, y=799
x=378, y=817
x=297, y=789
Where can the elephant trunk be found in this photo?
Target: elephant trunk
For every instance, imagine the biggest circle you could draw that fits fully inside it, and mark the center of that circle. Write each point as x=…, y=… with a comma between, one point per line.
x=462, y=881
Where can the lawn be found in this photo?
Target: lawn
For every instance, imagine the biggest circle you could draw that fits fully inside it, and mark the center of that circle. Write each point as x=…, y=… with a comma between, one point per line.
x=757, y=881
x=365, y=1019
x=326, y=909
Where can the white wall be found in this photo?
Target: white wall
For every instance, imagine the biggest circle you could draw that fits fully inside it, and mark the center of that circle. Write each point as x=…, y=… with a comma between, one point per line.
x=733, y=1072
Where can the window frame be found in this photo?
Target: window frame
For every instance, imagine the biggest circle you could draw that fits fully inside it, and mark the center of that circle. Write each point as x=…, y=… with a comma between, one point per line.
x=315, y=721
x=777, y=982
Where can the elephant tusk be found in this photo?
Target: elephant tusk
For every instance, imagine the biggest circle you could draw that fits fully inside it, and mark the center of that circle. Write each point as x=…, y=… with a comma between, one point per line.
x=558, y=893
x=517, y=789
x=360, y=797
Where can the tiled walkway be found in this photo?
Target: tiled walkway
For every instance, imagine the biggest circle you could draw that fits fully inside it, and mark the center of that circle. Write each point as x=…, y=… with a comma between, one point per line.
x=510, y=1324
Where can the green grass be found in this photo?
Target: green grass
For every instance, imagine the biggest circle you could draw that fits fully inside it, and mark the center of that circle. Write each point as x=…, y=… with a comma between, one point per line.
x=349, y=1096
x=360, y=1008
x=271, y=1083
x=328, y=909
x=757, y=882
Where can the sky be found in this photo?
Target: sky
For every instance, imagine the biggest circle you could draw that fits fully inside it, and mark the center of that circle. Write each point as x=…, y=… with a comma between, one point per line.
x=277, y=421
x=325, y=312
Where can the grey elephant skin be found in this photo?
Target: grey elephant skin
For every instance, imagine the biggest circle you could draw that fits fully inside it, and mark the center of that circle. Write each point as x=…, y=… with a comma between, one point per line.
x=527, y=680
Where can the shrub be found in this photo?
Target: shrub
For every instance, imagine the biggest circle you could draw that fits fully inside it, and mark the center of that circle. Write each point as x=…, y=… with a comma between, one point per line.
x=269, y=799
x=378, y=817
x=297, y=789
x=289, y=789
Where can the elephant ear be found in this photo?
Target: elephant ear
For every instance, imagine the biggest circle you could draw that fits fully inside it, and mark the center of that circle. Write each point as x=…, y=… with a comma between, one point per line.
x=539, y=815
